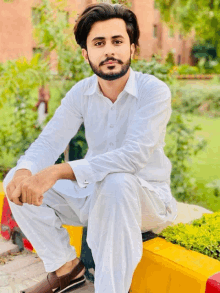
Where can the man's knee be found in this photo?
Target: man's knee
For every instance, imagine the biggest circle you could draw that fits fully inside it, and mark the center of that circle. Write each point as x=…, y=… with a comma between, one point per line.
x=117, y=184
x=118, y=179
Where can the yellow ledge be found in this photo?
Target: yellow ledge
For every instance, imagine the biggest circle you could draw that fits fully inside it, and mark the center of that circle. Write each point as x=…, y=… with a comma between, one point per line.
x=170, y=268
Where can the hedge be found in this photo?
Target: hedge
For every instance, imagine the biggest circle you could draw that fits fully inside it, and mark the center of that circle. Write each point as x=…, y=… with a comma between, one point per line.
x=201, y=235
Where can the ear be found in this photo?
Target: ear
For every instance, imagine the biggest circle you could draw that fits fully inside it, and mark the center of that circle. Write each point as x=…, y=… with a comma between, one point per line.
x=132, y=50
x=85, y=55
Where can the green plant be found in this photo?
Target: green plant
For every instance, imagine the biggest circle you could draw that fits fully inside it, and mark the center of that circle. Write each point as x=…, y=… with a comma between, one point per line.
x=78, y=145
x=170, y=60
x=124, y=2
x=181, y=147
x=187, y=69
x=202, y=235
x=203, y=50
x=153, y=67
x=215, y=185
x=199, y=99
x=19, y=81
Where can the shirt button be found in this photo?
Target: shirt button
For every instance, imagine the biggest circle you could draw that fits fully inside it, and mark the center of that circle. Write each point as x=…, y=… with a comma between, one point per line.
x=111, y=144
x=111, y=126
x=113, y=108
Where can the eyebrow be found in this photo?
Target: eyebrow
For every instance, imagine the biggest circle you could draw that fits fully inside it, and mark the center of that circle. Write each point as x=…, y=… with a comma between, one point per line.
x=102, y=38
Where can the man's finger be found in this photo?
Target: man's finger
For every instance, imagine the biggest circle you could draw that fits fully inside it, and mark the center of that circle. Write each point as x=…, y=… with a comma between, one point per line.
x=15, y=196
x=9, y=190
x=16, y=193
x=17, y=201
x=29, y=197
x=40, y=200
x=24, y=196
x=37, y=199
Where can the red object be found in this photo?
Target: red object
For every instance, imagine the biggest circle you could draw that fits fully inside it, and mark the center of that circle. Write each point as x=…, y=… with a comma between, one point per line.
x=27, y=244
x=7, y=222
x=213, y=284
x=9, y=225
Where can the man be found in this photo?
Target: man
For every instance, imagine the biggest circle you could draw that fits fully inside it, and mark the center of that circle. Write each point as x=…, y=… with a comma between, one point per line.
x=121, y=187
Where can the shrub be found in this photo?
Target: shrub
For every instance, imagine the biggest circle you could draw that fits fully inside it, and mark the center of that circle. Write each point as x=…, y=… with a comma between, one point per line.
x=170, y=59
x=181, y=147
x=153, y=67
x=190, y=97
x=202, y=235
x=187, y=69
x=19, y=81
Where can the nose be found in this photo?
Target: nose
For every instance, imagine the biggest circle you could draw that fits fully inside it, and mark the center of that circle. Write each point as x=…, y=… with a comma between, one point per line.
x=109, y=49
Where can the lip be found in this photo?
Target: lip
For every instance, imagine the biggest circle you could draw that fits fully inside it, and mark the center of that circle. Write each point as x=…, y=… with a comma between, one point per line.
x=110, y=62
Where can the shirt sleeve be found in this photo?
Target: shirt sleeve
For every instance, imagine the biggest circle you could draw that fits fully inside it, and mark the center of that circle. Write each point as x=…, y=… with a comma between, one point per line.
x=143, y=135
x=55, y=136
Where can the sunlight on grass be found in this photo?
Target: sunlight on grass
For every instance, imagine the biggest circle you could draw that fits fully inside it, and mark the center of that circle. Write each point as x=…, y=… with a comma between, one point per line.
x=206, y=165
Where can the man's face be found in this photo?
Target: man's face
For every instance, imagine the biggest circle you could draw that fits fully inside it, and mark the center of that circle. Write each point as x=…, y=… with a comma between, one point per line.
x=109, y=41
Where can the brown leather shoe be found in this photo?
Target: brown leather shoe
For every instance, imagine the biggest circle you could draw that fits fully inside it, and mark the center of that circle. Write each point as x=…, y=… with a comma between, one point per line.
x=61, y=284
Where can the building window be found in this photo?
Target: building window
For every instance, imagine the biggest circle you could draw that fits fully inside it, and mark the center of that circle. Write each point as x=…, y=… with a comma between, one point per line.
x=171, y=32
x=155, y=31
x=36, y=15
x=179, y=59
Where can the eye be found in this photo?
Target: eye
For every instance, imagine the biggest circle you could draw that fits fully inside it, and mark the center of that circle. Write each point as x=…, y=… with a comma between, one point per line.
x=118, y=41
x=98, y=43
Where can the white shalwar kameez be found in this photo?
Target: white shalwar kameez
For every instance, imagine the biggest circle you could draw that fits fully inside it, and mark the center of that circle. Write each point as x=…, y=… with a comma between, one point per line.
x=122, y=185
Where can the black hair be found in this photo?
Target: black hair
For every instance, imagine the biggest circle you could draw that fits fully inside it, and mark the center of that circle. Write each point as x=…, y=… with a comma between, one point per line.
x=101, y=12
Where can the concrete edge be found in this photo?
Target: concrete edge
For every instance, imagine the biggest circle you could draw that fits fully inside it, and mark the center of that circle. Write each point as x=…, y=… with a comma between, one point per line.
x=168, y=267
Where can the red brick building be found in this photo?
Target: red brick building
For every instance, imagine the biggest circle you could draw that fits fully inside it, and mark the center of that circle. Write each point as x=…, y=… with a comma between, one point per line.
x=16, y=30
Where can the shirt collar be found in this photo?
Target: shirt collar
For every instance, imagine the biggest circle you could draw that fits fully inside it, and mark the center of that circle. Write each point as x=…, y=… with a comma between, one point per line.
x=130, y=87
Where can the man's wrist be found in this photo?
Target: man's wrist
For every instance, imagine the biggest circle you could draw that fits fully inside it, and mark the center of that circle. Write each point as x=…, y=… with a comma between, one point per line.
x=21, y=172
x=64, y=171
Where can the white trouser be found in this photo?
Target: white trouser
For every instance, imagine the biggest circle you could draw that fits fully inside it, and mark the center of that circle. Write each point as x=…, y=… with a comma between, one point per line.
x=116, y=212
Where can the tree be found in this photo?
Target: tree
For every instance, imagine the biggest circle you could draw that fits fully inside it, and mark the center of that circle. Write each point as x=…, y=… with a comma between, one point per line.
x=201, y=16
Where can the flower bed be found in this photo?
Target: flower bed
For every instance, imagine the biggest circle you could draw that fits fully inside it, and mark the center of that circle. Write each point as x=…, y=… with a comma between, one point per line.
x=196, y=76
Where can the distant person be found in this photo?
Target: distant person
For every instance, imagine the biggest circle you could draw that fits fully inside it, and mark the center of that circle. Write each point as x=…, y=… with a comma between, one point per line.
x=121, y=188
x=42, y=104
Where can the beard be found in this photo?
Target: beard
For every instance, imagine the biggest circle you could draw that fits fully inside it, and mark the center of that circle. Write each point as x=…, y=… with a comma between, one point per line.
x=111, y=75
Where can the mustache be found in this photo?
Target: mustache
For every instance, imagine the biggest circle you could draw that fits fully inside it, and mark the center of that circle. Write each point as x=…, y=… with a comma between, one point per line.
x=111, y=59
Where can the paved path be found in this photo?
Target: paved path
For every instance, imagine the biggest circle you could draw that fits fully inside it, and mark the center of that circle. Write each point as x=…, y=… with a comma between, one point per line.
x=21, y=270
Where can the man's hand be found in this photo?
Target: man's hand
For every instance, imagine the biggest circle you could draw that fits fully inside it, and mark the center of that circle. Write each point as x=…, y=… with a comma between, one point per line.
x=30, y=189
x=18, y=177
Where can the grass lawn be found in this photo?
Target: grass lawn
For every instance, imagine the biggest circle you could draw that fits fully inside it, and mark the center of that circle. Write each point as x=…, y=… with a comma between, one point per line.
x=206, y=165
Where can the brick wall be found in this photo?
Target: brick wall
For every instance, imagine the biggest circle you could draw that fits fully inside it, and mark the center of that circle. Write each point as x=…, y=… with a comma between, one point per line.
x=16, y=30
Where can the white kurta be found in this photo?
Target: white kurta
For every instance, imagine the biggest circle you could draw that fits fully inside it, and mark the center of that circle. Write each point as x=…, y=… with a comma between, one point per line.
x=122, y=185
